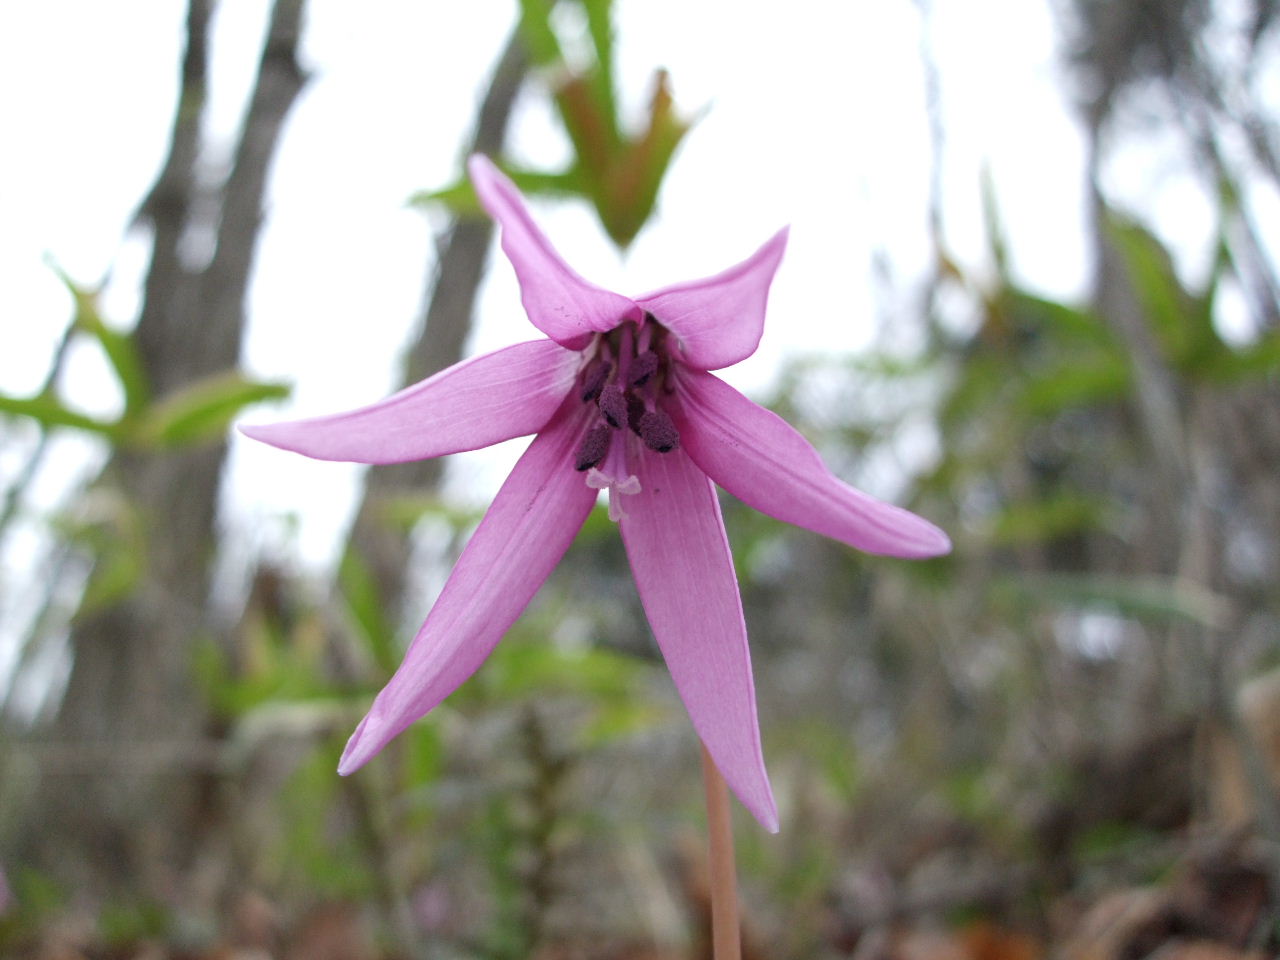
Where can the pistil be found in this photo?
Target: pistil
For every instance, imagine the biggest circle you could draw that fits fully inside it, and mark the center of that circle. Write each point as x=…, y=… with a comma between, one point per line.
x=615, y=478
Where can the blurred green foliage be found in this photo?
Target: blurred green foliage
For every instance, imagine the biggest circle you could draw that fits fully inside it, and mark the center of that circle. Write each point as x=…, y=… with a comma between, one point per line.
x=909, y=707
x=618, y=171
x=196, y=413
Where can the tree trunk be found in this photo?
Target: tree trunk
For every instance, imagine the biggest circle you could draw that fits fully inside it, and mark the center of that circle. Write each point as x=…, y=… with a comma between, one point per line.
x=450, y=302
x=118, y=803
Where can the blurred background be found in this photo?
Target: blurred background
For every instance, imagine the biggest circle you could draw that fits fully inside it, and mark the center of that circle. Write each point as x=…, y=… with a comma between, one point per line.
x=1031, y=294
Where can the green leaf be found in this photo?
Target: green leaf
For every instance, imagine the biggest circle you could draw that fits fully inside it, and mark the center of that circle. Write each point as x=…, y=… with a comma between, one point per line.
x=406, y=512
x=994, y=224
x=1260, y=359
x=460, y=197
x=118, y=347
x=51, y=413
x=1073, y=382
x=518, y=669
x=1170, y=309
x=1042, y=520
x=1061, y=321
x=617, y=720
x=635, y=177
x=281, y=664
x=364, y=603
x=600, y=27
x=201, y=411
x=584, y=102
x=315, y=849
x=539, y=38
x=591, y=129
x=424, y=752
x=984, y=378
x=1159, y=597
x=114, y=536
x=117, y=570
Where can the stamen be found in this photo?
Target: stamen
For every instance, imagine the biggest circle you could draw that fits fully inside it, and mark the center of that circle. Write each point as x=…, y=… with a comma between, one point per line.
x=643, y=368
x=595, y=379
x=613, y=404
x=658, y=432
x=594, y=447
x=625, y=373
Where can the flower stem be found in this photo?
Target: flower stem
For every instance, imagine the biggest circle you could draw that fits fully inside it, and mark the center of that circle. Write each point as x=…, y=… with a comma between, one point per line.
x=724, y=889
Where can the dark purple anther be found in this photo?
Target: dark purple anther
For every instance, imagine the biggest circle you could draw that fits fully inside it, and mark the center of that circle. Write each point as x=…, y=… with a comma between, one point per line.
x=594, y=381
x=613, y=404
x=594, y=448
x=658, y=432
x=643, y=368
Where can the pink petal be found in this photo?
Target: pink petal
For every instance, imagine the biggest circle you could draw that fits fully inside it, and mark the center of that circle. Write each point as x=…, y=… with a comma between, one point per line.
x=527, y=529
x=680, y=559
x=719, y=320
x=761, y=459
x=559, y=302
x=509, y=393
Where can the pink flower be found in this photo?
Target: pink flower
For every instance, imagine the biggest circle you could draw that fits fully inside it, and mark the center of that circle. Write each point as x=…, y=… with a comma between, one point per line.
x=620, y=398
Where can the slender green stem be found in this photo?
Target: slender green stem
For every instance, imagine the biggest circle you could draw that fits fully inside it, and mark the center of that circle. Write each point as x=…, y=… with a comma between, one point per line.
x=725, y=935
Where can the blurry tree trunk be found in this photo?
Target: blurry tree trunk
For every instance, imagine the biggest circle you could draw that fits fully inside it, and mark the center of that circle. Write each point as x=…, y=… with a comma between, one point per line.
x=131, y=692
x=450, y=305
x=1187, y=430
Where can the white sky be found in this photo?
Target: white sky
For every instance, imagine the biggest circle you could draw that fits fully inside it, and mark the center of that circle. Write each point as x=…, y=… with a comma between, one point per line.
x=814, y=117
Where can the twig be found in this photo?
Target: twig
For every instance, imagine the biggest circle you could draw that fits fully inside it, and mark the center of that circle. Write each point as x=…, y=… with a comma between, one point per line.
x=725, y=930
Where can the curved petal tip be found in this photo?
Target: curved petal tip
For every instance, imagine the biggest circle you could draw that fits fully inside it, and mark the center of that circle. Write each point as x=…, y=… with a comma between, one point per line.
x=719, y=320
x=905, y=535
x=937, y=543
x=359, y=750
x=771, y=823
x=559, y=302
x=273, y=434
x=765, y=462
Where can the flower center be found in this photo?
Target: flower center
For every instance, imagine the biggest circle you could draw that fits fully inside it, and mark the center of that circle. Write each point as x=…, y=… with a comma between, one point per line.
x=627, y=378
